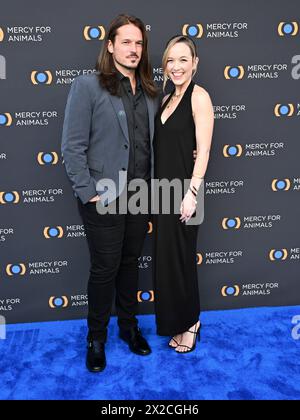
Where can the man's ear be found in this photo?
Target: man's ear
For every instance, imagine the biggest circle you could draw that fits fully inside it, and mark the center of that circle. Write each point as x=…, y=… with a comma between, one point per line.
x=110, y=47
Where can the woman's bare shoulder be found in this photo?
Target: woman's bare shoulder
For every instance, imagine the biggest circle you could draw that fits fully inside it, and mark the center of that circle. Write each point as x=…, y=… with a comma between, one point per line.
x=200, y=93
x=200, y=98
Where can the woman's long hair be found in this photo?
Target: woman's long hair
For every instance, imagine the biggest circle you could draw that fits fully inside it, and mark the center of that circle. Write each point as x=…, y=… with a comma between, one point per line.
x=105, y=66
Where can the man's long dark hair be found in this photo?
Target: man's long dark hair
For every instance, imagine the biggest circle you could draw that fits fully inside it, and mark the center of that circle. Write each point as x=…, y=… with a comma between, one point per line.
x=106, y=69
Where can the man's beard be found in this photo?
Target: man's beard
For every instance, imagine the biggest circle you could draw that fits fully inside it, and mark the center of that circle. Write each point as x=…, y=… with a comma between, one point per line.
x=133, y=67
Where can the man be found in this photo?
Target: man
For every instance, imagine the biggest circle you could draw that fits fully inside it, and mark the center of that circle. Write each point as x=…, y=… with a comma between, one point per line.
x=108, y=131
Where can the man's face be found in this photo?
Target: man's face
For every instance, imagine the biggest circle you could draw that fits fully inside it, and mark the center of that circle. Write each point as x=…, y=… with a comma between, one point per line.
x=127, y=48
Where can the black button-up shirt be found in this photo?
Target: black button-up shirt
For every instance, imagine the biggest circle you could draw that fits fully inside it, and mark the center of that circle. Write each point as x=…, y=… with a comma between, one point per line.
x=138, y=128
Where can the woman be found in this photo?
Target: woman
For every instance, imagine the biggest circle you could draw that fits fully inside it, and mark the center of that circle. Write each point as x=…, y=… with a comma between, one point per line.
x=184, y=122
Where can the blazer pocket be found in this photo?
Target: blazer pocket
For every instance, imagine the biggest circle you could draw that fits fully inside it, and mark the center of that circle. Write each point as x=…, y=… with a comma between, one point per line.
x=95, y=165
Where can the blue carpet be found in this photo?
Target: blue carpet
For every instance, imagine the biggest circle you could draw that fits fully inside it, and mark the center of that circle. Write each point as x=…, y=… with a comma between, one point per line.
x=246, y=354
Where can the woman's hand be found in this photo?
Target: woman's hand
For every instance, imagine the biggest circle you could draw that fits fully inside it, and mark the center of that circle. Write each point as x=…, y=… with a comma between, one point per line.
x=188, y=207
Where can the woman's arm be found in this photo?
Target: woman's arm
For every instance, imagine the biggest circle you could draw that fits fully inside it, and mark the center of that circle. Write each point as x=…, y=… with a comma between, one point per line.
x=203, y=114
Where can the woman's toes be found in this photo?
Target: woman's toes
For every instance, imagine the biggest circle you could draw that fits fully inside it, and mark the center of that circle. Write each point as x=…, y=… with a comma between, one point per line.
x=172, y=343
x=175, y=341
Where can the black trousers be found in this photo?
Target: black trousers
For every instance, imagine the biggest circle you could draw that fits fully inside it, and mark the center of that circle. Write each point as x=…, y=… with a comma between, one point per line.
x=115, y=243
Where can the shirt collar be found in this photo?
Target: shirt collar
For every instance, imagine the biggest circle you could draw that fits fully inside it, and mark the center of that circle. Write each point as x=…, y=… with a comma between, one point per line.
x=121, y=77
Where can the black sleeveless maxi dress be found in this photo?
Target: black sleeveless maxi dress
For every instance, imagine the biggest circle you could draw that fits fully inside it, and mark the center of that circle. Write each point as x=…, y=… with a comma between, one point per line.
x=177, y=304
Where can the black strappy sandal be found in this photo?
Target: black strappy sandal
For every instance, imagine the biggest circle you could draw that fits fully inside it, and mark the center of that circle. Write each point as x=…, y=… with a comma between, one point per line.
x=177, y=344
x=190, y=349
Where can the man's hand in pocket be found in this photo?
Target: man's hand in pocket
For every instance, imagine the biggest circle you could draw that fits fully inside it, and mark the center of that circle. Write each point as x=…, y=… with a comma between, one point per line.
x=94, y=199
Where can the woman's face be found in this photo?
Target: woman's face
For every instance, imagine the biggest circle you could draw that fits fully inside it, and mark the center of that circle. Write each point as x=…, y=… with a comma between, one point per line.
x=180, y=64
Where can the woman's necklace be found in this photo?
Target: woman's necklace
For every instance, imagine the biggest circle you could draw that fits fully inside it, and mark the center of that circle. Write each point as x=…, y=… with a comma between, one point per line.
x=173, y=98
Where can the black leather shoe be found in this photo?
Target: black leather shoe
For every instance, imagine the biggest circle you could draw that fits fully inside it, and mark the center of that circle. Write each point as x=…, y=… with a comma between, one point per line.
x=95, y=358
x=136, y=342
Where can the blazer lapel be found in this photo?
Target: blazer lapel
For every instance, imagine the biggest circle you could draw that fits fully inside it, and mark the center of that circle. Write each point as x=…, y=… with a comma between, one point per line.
x=121, y=115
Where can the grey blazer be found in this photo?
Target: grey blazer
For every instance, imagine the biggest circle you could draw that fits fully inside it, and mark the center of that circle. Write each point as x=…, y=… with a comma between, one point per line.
x=95, y=140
